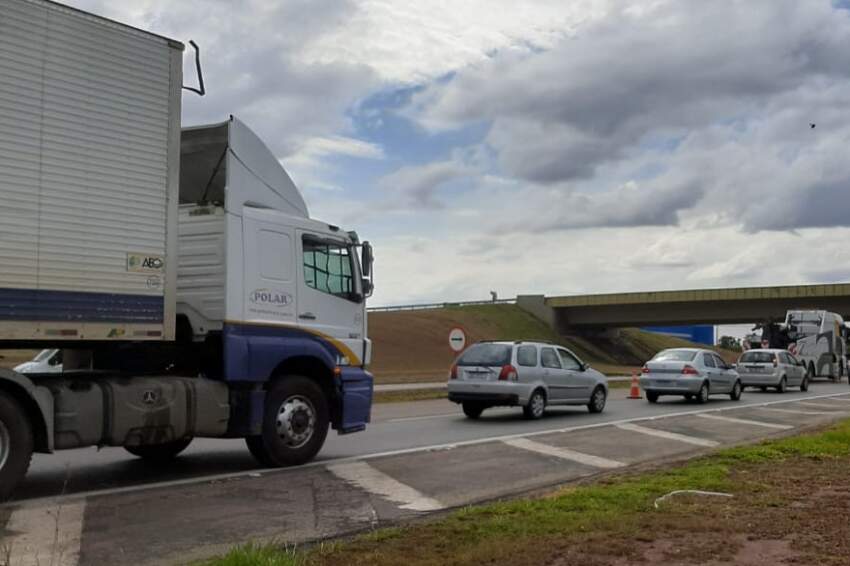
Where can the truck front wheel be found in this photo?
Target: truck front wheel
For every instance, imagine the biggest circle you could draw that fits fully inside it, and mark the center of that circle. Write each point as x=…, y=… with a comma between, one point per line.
x=16, y=444
x=295, y=423
x=159, y=452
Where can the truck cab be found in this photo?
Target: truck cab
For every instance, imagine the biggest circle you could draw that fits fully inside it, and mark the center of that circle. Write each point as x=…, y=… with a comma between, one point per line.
x=817, y=338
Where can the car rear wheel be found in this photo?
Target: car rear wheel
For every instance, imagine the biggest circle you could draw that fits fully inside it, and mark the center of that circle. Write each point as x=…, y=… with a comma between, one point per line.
x=536, y=405
x=652, y=396
x=473, y=410
x=702, y=396
x=597, y=400
x=735, y=395
x=783, y=385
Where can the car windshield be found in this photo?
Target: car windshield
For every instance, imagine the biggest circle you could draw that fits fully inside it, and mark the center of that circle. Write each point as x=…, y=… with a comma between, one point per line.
x=757, y=357
x=486, y=355
x=674, y=356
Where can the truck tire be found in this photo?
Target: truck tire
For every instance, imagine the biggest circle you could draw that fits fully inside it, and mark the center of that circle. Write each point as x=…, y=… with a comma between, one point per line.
x=16, y=444
x=159, y=452
x=295, y=423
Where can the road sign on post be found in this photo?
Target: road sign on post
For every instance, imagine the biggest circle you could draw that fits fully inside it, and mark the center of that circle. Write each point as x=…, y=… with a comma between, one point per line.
x=457, y=339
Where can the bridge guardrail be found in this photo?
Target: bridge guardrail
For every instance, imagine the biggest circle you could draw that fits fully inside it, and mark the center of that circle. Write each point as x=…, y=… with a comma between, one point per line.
x=429, y=306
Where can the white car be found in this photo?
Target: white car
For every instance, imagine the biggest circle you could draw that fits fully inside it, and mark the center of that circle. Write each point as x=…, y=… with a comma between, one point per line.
x=47, y=361
x=531, y=375
x=772, y=368
x=691, y=372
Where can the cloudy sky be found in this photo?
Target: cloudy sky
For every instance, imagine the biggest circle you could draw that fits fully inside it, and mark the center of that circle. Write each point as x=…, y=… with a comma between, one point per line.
x=536, y=148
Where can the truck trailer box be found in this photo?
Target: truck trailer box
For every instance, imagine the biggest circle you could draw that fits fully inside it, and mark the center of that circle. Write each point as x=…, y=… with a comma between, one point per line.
x=89, y=174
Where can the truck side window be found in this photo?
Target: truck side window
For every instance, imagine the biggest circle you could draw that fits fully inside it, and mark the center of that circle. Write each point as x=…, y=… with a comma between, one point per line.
x=327, y=267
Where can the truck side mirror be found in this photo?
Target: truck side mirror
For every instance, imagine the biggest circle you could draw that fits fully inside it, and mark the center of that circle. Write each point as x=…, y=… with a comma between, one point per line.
x=367, y=287
x=366, y=259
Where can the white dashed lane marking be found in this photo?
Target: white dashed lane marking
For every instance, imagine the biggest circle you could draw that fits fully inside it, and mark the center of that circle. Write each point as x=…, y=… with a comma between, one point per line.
x=45, y=534
x=564, y=453
x=745, y=421
x=669, y=435
x=820, y=405
x=377, y=482
x=797, y=412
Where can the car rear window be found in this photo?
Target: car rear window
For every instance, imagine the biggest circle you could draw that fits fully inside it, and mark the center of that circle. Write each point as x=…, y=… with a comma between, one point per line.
x=674, y=356
x=757, y=357
x=486, y=355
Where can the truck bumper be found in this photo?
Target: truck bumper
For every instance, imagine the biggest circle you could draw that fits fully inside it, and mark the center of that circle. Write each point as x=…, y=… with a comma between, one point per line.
x=354, y=386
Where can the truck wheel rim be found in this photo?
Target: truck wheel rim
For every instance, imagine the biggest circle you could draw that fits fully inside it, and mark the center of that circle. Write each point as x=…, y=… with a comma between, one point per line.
x=5, y=444
x=296, y=421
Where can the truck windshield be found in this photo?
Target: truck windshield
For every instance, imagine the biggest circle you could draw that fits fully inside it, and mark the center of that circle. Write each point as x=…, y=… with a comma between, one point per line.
x=758, y=357
x=486, y=355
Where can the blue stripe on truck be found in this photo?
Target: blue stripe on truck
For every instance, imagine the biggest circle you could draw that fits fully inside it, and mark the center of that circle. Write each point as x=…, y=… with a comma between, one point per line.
x=74, y=306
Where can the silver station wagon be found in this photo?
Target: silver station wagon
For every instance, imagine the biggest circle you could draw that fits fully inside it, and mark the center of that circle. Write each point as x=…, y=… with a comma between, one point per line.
x=691, y=372
x=531, y=375
x=774, y=368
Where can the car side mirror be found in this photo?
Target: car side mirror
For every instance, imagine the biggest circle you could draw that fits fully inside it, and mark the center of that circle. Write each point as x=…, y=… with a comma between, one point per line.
x=583, y=366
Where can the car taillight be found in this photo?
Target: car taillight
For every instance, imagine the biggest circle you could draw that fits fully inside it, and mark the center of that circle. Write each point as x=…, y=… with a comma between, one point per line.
x=453, y=372
x=508, y=373
x=644, y=369
x=689, y=370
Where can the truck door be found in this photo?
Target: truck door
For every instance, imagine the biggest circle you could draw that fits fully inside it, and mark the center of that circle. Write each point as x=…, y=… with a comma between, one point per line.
x=329, y=300
x=270, y=271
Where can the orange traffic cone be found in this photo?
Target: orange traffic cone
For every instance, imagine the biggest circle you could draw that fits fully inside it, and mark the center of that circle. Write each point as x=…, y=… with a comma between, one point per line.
x=634, y=393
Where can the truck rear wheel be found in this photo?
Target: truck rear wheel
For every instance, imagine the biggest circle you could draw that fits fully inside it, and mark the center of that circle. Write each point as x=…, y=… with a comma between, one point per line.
x=16, y=444
x=295, y=423
x=159, y=452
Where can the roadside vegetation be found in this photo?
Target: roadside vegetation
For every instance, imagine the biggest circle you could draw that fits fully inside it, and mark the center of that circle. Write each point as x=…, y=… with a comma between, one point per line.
x=790, y=502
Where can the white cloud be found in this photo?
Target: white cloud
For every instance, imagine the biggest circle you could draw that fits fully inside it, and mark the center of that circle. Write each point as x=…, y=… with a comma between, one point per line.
x=413, y=42
x=417, y=185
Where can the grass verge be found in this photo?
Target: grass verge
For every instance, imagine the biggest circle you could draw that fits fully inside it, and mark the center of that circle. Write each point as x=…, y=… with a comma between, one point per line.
x=409, y=395
x=614, y=521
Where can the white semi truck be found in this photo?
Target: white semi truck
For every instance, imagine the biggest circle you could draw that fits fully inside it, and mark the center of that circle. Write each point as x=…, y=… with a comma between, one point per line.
x=817, y=338
x=178, y=271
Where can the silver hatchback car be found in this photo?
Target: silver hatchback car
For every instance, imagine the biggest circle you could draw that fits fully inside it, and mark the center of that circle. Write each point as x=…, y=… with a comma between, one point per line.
x=772, y=368
x=691, y=372
x=531, y=375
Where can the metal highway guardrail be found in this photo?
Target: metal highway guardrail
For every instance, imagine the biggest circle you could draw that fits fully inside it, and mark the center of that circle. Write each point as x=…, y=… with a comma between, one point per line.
x=427, y=306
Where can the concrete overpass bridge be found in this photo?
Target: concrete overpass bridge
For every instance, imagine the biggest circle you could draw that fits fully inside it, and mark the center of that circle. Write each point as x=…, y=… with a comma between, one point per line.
x=700, y=306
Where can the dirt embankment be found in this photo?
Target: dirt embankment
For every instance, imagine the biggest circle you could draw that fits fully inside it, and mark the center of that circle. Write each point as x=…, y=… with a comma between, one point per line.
x=413, y=346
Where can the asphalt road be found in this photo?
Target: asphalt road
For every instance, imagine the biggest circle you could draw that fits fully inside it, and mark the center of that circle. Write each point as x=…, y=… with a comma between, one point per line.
x=416, y=458
x=394, y=427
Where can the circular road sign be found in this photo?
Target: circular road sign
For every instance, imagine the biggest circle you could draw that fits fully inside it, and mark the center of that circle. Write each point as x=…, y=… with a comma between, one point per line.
x=457, y=339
